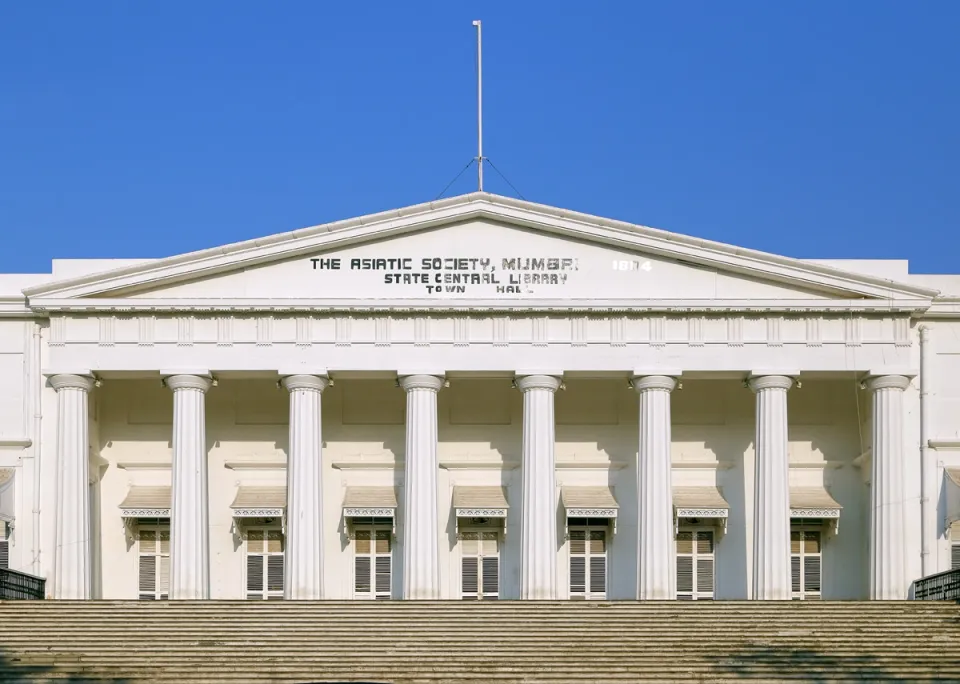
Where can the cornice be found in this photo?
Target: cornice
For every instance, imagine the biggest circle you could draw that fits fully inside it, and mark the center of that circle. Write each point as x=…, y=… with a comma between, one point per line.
x=46, y=306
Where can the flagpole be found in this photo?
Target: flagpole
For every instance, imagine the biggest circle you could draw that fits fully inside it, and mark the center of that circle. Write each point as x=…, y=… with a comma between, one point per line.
x=479, y=106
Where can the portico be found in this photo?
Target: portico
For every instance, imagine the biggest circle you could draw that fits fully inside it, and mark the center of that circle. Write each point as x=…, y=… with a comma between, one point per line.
x=604, y=411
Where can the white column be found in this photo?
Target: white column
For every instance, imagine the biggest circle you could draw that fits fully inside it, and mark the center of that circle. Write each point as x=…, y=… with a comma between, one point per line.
x=771, y=510
x=303, y=550
x=656, y=557
x=887, y=574
x=72, y=576
x=421, y=554
x=189, y=522
x=538, y=516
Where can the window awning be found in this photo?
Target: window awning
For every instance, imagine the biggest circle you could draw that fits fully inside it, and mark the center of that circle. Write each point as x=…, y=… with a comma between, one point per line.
x=7, y=510
x=951, y=484
x=480, y=502
x=589, y=502
x=703, y=501
x=370, y=502
x=259, y=502
x=813, y=502
x=146, y=502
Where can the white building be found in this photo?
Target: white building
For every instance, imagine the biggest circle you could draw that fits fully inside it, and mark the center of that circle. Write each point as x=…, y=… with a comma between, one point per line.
x=517, y=401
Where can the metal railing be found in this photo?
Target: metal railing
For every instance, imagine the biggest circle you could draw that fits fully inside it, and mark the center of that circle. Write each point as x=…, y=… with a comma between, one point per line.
x=19, y=585
x=944, y=586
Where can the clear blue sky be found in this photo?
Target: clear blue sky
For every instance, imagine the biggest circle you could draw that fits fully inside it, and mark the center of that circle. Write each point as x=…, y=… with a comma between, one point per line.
x=811, y=129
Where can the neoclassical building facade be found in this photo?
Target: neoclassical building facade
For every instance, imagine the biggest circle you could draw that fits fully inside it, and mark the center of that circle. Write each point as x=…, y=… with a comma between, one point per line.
x=479, y=398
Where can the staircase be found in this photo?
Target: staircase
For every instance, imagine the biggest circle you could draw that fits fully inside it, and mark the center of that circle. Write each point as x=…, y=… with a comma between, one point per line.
x=497, y=642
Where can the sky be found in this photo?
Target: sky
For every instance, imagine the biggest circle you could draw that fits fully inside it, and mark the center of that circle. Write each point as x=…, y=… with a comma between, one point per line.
x=809, y=129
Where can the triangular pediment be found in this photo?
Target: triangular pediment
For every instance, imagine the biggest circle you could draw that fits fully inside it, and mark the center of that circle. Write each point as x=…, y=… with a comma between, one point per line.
x=476, y=249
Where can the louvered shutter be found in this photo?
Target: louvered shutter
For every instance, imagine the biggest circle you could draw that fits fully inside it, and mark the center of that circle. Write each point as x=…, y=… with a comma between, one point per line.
x=361, y=575
x=153, y=571
x=598, y=574
x=4, y=546
x=148, y=578
x=805, y=564
x=383, y=577
x=264, y=564
x=578, y=563
x=372, y=562
x=255, y=575
x=695, y=565
x=588, y=562
x=469, y=585
x=479, y=565
x=491, y=578
x=955, y=556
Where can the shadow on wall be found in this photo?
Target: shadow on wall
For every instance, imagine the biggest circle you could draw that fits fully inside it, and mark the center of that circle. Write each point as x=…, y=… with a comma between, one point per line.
x=47, y=666
x=808, y=665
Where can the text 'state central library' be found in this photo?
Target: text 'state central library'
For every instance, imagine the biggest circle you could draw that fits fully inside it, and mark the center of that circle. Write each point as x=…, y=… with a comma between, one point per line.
x=479, y=398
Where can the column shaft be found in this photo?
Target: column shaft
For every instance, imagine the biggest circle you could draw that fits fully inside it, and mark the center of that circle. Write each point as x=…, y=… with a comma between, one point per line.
x=656, y=558
x=421, y=553
x=303, y=550
x=189, y=521
x=538, y=520
x=887, y=571
x=72, y=576
x=771, y=510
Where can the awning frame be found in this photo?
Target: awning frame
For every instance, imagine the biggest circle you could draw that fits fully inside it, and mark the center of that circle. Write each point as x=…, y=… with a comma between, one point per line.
x=375, y=511
x=717, y=515
x=828, y=514
x=609, y=512
x=496, y=512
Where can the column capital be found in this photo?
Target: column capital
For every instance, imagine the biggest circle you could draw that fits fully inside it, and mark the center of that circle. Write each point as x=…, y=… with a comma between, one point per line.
x=763, y=382
x=185, y=381
x=419, y=381
x=643, y=383
x=305, y=382
x=72, y=381
x=525, y=383
x=878, y=382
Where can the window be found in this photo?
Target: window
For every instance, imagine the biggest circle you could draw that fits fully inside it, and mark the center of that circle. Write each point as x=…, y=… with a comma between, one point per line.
x=480, y=565
x=695, y=565
x=954, y=556
x=588, y=560
x=373, y=548
x=4, y=545
x=264, y=564
x=154, y=570
x=805, y=557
